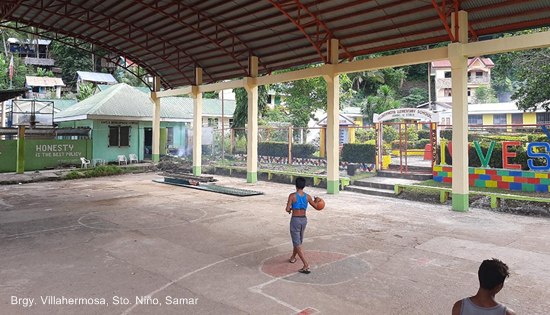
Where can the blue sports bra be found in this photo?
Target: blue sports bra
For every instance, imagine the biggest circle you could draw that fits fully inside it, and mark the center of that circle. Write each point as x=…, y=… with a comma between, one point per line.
x=300, y=203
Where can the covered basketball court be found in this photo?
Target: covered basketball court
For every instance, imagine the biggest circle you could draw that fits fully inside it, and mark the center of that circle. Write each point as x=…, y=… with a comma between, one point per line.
x=194, y=47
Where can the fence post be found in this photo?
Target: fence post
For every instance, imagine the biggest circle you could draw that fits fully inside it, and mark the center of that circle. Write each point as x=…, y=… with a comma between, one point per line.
x=232, y=145
x=290, y=145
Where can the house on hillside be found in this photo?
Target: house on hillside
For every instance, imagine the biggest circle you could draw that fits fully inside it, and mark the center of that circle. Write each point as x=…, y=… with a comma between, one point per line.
x=43, y=87
x=94, y=78
x=35, y=52
x=120, y=117
x=479, y=74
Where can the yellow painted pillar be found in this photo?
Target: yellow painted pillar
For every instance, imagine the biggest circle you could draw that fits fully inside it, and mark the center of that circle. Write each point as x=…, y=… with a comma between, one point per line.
x=197, y=123
x=333, y=112
x=459, y=73
x=156, y=119
x=252, y=127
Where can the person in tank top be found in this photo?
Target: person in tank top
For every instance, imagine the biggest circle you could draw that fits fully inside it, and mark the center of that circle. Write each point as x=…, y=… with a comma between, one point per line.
x=491, y=275
x=297, y=206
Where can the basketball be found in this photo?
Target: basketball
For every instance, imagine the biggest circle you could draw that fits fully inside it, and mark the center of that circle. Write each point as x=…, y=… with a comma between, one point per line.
x=320, y=203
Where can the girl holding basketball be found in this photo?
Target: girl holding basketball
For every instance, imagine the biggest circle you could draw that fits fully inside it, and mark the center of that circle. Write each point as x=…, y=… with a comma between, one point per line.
x=297, y=205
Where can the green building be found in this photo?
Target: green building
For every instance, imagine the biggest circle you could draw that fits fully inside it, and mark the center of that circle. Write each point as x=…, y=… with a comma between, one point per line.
x=121, y=121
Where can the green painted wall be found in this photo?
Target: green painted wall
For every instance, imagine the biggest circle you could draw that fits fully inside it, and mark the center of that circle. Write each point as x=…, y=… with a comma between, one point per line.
x=44, y=154
x=100, y=137
x=8, y=155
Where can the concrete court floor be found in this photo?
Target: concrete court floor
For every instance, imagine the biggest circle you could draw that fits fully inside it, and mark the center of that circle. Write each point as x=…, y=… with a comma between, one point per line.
x=124, y=237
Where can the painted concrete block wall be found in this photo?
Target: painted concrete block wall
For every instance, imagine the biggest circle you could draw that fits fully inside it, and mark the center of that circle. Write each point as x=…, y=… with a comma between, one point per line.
x=100, y=137
x=514, y=180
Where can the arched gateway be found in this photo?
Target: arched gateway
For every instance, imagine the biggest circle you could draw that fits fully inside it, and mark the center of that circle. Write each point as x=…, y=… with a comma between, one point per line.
x=411, y=121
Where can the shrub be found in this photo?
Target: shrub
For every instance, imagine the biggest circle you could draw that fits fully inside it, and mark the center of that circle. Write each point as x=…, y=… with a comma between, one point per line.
x=423, y=134
x=273, y=149
x=390, y=134
x=240, y=145
x=412, y=133
x=363, y=135
x=358, y=153
x=303, y=150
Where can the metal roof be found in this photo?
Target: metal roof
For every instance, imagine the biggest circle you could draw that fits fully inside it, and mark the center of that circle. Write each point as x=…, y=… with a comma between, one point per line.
x=43, y=81
x=122, y=101
x=96, y=77
x=170, y=38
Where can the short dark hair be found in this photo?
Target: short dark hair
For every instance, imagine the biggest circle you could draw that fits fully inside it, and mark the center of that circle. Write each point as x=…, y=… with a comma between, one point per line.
x=300, y=183
x=492, y=273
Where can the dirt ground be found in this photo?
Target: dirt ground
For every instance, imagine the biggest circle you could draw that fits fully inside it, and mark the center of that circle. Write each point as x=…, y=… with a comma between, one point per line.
x=143, y=247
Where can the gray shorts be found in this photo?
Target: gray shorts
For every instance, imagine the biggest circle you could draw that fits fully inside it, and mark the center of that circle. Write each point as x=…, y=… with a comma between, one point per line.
x=297, y=228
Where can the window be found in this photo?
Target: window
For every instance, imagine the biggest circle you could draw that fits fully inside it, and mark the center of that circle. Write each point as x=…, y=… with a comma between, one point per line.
x=269, y=99
x=119, y=136
x=213, y=122
x=231, y=122
x=499, y=119
x=543, y=118
x=447, y=74
x=475, y=119
x=277, y=100
x=447, y=92
x=469, y=92
x=517, y=119
x=479, y=74
x=170, y=136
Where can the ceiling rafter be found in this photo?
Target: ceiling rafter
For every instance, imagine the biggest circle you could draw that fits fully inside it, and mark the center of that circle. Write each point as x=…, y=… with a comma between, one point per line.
x=293, y=10
x=72, y=42
x=197, y=29
x=85, y=22
x=443, y=13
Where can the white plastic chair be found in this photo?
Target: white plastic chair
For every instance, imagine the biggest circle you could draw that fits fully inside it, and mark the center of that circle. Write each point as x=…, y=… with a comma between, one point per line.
x=133, y=158
x=85, y=162
x=122, y=159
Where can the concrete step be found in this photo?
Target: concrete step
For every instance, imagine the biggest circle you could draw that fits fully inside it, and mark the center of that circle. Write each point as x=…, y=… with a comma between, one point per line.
x=413, y=176
x=371, y=184
x=371, y=191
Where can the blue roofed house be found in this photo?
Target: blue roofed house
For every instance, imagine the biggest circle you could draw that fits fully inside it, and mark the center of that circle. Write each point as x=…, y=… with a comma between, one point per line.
x=120, y=117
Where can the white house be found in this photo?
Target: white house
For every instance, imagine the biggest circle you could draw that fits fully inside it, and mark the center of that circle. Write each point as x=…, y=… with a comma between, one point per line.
x=44, y=87
x=479, y=74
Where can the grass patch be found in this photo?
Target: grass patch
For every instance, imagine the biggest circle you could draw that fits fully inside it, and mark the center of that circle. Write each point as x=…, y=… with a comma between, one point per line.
x=104, y=170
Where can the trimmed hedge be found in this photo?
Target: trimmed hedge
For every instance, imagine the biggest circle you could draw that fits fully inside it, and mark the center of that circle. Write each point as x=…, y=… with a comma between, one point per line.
x=358, y=153
x=280, y=149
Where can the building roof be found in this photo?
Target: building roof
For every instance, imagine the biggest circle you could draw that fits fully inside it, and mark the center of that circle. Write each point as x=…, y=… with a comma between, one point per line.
x=45, y=42
x=128, y=103
x=11, y=93
x=351, y=111
x=447, y=64
x=143, y=89
x=44, y=81
x=344, y=121
x=96, y=77
x=169, y=38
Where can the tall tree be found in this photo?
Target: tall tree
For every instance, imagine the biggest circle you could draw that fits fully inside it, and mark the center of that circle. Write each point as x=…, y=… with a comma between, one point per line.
x=71, y=60
x=240, y=116
x=383, y=100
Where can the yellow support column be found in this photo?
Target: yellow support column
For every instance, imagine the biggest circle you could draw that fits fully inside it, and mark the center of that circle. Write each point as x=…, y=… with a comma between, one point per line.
x=197, y=123
x=156, y=119
x=333, y=112
x=459, y=69
x=251, y=87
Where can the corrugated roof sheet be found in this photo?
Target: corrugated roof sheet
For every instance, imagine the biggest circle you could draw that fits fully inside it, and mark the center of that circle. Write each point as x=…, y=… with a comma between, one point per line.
x=170, y=38
x=447, y=64
x=43, y=81
x=122, y=100
x=96, y=77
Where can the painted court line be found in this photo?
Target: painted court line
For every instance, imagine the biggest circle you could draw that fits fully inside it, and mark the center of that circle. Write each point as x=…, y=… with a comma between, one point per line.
x=127, y=311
